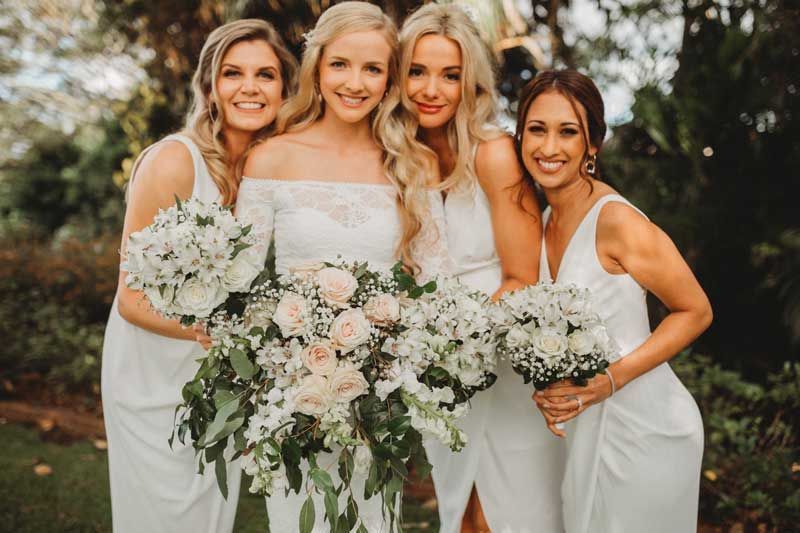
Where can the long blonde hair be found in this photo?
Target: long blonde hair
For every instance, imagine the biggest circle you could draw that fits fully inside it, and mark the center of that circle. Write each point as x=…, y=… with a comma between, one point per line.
x=205, y=121
x=403, y=161
x=474, y=121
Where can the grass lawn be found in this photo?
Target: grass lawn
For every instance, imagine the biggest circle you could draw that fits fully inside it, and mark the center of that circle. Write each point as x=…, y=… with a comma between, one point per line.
x=75, y=498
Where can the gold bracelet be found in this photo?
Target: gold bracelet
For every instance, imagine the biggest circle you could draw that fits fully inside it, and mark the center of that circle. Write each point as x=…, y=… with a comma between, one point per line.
x=611, y=379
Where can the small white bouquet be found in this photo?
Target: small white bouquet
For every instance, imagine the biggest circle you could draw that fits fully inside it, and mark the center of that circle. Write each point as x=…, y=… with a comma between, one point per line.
x=190, y=259
x=550, y=333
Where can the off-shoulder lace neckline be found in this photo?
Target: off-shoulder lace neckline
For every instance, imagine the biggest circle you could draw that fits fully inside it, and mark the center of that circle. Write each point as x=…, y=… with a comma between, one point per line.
x=319, y=182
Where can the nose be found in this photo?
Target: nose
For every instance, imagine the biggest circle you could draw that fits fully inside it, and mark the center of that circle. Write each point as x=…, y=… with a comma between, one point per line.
x=431, y=90
x=249, y=85
x=549, y=147
x=354, y=83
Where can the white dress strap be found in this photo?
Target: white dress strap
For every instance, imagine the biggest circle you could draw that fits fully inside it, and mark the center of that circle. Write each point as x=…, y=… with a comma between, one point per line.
x=204, y=187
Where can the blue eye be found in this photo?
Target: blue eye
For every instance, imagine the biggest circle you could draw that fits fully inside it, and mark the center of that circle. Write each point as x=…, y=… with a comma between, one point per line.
x=374, y=70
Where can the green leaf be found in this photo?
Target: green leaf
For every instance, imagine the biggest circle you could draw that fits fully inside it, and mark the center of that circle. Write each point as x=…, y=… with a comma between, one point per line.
x=399, y=425
x=332, y=508
x=291, y=451
x=430, y=287
x=220, y=467
x=221, y=397
x=241, y=363
x=371, y=486
x=219, y=422
x=360, y=271
x=239, y=442
x=307, y=516
x=322, y=479
x=352, y=513
x=238, y=248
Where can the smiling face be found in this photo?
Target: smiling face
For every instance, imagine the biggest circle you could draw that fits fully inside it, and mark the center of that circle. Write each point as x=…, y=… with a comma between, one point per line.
x=434, y=80
x=354, y=73
x=249, y=86
x=553, y=145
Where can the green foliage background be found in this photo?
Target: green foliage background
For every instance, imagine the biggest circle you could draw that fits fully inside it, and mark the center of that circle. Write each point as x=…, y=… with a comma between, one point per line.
x=710, y=151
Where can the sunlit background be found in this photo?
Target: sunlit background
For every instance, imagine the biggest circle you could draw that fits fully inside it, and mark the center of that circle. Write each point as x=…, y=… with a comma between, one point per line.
x=702, y=97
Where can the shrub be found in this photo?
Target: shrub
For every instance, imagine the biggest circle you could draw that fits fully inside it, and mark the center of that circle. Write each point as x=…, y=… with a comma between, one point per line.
x=54, y=302
x=751, y=473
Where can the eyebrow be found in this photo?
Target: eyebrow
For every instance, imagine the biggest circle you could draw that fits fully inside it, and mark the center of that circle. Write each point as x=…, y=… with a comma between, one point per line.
x=453, y=67
x=266, y=67
x=562, y=124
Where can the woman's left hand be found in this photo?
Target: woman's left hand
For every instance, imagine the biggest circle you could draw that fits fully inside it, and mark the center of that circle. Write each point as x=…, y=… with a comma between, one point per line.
x=564, y=400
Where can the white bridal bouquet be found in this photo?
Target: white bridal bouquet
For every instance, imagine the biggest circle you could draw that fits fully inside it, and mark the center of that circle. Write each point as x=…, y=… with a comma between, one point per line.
x=190, y=259
x=550, y=333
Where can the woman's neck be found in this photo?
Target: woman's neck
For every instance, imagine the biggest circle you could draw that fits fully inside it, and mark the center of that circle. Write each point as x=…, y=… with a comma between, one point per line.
x=345, y=134
x=236, y=142
x=568, y=197
x=436, y=139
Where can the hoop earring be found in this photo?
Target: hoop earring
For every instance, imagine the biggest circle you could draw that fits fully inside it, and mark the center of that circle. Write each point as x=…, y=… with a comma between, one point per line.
x=591, y=164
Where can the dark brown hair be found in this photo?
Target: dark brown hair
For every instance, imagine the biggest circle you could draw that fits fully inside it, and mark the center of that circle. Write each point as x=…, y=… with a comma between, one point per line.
x=580, y=90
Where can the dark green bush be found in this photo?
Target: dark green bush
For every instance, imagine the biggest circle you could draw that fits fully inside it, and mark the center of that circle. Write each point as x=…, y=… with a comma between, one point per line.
x=751, y=474
x=54, y=302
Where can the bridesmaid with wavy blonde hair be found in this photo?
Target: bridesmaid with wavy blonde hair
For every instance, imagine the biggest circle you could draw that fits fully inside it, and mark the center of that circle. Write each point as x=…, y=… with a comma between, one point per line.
x=245, y=72
x=508, y=476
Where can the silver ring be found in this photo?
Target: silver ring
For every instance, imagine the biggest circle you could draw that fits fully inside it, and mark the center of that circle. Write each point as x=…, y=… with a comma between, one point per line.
x=580, y=402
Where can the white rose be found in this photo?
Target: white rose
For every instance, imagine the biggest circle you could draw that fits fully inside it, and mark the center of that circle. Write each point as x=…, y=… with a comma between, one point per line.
x=581, y=342
x=347, y=383
x=198, y=299
x=259, y=314
x=313, y=396
x=516, y=336
x=305, y=270
x=241, y=272
x=336, y=286
x=548, y=343
x=470, y=377
x=362, y=459
x=290, y=314
x=319, y=358
x=349, y=330
x=160, y=301
x=383, y=309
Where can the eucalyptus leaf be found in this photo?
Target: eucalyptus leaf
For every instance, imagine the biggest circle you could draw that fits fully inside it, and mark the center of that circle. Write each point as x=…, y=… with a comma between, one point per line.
x=241, y=363
x=221, y=469
x=307, y=516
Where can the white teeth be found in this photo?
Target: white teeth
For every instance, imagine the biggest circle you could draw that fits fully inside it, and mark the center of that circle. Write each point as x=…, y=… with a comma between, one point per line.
x=249, y=105
x=550, y=165
x=351, y=101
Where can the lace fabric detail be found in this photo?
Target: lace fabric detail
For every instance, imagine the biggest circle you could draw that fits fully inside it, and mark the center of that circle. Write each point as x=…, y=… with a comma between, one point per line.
x=349, y=204
x=429, y=248
x=312, y=221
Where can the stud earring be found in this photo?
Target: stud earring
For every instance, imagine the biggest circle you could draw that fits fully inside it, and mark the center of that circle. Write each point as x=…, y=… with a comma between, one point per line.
x=591, y=164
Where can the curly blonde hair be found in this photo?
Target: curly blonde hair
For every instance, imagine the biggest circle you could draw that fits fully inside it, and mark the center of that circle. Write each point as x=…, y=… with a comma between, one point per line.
x=206, y=121
x=474, y=121
x=404, y=162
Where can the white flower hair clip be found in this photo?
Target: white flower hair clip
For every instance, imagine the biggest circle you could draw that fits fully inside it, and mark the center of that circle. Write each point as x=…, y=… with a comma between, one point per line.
x=308, y=36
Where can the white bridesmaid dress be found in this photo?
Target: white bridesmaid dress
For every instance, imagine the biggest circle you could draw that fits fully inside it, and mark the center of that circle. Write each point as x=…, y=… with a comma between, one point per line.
x=155, y=489
x=511, y=458
x=633, y=461
x=313, y=221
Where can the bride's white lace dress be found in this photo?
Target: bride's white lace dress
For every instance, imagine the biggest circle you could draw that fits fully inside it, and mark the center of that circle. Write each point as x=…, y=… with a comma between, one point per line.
x=313, y=221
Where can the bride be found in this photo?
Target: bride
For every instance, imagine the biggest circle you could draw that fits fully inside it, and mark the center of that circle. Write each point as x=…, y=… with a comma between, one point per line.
x=342, y=179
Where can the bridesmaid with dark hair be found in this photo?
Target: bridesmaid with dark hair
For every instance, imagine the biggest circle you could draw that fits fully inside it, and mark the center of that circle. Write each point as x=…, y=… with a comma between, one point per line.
x=635, y=440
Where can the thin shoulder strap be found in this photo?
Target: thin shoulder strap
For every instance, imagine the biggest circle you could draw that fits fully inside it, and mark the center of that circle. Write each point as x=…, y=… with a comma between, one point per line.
x=201, y=174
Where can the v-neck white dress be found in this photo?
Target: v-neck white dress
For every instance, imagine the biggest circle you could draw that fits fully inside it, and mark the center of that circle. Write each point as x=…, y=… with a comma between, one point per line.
x=511, y=458
x=633, y=461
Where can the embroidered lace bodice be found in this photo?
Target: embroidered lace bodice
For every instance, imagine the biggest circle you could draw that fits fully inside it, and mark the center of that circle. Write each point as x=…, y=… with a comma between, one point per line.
x=314, y=221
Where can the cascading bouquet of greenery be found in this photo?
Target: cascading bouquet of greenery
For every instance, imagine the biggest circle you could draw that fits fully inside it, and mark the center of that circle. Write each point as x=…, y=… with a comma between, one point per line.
x=549, y=332
x=341, y=364
x=334, y=362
